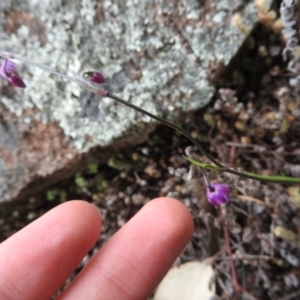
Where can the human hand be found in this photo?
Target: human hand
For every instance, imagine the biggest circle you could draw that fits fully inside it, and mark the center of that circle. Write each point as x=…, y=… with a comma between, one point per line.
x=36, y=261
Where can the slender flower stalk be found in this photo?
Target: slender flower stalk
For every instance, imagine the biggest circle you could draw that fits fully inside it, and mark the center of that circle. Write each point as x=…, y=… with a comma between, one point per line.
x=97, y=77
x=85, y=85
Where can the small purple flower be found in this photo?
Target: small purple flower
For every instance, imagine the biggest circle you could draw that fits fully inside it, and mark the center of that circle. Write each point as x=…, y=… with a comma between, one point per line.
x=8, y=72
x=95, y=76
x=217, y=194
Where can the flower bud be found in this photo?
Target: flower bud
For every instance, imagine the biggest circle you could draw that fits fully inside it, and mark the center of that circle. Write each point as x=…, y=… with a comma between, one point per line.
x=95, y=76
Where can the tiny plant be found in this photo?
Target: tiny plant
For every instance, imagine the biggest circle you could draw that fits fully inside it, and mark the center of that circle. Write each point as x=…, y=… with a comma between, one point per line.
x=79, y=181
x=92, y=168
x=50, y=194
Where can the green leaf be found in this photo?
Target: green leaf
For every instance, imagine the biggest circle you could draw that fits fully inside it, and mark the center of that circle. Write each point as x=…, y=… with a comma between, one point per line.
x=62, y=196
x=79, y=181
x=93, y=168
x=50, y=194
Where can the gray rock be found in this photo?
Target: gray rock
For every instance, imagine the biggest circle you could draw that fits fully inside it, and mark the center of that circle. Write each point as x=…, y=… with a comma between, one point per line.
x=158, y=55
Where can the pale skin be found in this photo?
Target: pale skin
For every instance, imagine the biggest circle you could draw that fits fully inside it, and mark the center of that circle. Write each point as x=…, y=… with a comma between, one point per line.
x=36, y=261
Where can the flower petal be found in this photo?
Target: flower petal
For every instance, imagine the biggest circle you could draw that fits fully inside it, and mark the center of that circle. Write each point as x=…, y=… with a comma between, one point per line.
x=8, y=72
x=217, y=194
x=97, y=77
x=17, y=81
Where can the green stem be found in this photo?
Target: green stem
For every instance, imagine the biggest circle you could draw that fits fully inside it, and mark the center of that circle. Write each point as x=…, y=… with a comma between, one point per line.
x=265, y=178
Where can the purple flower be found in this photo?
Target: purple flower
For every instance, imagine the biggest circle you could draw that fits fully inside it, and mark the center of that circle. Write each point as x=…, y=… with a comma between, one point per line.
x=217, y=194
x=95, y=76
x=8, y=72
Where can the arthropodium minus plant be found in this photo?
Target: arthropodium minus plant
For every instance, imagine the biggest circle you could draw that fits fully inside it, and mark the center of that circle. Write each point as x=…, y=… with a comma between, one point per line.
x=94, y=77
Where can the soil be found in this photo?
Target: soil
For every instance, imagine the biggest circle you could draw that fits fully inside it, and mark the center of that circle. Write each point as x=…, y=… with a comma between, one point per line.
x=253, y=124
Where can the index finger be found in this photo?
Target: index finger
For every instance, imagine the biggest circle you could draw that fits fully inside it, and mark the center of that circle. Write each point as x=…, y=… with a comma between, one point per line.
x=136, y=258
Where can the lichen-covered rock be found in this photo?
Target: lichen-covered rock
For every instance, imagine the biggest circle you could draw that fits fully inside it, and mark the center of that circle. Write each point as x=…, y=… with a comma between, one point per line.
x=159, y=55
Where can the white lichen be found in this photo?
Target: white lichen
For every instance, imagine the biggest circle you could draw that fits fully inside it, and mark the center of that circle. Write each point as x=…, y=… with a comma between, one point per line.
x=172, y=81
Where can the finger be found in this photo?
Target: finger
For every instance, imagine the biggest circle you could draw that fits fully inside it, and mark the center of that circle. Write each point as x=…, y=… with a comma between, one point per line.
x=36, y=261
x=137, y=257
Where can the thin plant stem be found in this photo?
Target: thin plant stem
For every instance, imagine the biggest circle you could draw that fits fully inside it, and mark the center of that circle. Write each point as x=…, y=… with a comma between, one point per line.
x=165, y=122
x=236, y=286
x=103, y=93
x=265, y=178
